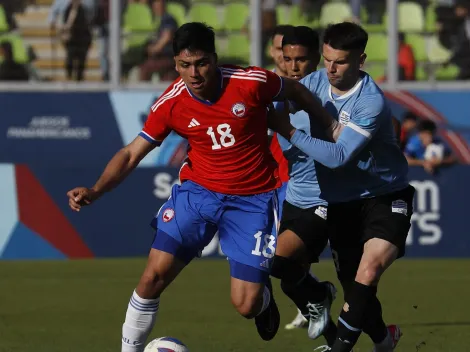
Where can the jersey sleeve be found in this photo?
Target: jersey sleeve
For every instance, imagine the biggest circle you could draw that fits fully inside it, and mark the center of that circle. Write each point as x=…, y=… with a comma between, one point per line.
x=412, y=147
x=157, y=126
x=364, y=123
x=268, y=85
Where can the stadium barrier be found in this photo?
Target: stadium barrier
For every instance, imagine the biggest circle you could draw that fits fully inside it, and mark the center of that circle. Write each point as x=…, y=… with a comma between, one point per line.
x=52, y=142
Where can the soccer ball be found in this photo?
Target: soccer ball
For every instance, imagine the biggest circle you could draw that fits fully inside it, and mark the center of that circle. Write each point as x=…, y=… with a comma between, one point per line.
x=166, y=344
x=434, y=151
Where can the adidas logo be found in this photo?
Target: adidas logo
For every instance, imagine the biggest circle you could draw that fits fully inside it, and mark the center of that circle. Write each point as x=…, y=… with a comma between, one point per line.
x=193, y=123
x=265, y=264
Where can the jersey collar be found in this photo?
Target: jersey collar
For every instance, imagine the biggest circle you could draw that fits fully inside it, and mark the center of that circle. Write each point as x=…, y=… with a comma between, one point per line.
x=207, y=102
x=348, y=94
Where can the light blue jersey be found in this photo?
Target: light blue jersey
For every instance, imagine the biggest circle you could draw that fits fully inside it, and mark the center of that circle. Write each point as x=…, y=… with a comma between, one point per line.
x=366, y=160
x=303, y=190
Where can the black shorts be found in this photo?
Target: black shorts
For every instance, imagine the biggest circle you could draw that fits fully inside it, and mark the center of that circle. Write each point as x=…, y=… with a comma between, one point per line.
x=352, y=224
x=309, y=224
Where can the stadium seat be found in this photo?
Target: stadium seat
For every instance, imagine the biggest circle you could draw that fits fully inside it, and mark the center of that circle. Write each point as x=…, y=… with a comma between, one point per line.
x=421, y=73
x=204, y=13
x=377, y=47
x=448, y=73
x=335, y=12
x=418, y=43
x=178, y=11
x=410, y=17
x=298, y=18
x=4, y=27
x=138, y=21
x=238, y=47
x=235, y=16
x=437, y=53
x=283, y=14
x=20, y=53
x=376, y=71
x=431, y=18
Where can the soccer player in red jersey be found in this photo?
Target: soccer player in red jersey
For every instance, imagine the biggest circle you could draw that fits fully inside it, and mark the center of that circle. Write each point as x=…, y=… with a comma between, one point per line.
x=229, y=181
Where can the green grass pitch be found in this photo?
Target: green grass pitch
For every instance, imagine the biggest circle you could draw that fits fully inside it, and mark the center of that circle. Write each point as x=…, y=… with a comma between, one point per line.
x=79, y=306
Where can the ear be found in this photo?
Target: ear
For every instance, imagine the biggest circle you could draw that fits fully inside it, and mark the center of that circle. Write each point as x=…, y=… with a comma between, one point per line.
x=362, y=59
x=176, y=65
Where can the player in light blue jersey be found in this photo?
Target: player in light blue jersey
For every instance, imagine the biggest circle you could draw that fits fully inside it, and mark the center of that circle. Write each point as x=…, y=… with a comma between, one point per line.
x=303, y=231
x=366, y=185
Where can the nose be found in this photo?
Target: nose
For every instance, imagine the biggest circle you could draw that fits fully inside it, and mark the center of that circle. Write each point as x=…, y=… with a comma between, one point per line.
x=193, y=71
x=294, y=66
x=331, y=67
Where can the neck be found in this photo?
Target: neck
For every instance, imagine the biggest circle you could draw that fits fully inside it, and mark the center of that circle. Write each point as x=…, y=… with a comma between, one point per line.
x=211, y=90
x=346, y=87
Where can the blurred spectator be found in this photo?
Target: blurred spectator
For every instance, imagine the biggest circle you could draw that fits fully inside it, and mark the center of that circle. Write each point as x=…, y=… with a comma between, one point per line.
x=408, y=128
x=101, y=21
x=76, y=36
x=376, y=8
x=427, y=150
x=461, y=39
x=160, y=51
x=59, y=6
x=9, y=69
x=406, y=60
x=276, y=48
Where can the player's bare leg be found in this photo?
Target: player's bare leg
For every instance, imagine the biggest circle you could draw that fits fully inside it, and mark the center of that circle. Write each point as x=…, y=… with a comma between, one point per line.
x=162, y=268
x=256, y=300
x=361, y=297
x=312, y=298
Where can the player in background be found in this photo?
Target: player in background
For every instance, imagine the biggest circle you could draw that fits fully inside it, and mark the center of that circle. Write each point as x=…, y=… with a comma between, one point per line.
x=303, y=235
x=280, y=69
x=229, y=181
x=369, y=196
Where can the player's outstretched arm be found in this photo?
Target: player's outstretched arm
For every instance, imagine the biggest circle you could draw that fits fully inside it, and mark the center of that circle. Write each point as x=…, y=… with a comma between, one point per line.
x=351, y=141
x=305, y=100
x=121, y=165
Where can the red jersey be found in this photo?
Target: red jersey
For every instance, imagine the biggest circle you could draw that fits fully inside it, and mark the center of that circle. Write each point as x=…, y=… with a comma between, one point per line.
x=278, y=155
x=228, y=145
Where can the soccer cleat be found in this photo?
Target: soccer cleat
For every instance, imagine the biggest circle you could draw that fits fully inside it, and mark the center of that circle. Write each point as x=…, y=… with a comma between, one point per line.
x=320, y=313
x=324, y=348
x=391, y=341
x=299, y=322
x=268, y=321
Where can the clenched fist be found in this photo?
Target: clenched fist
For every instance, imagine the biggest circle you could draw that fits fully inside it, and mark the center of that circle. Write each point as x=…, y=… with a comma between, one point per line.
x=81, y=196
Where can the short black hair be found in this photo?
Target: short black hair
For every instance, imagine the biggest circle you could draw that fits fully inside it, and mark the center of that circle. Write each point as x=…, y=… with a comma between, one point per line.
x=409, y=115
x=194, y=36
x=346, y=36
x=427, y=126
x=304, y=36
x=281, y=30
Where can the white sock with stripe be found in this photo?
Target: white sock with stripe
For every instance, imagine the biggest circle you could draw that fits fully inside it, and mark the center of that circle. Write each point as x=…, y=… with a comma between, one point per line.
x=140, y=319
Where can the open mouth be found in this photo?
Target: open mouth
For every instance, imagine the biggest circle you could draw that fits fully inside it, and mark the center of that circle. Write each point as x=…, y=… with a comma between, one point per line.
x=296, y=77
x=197, y=85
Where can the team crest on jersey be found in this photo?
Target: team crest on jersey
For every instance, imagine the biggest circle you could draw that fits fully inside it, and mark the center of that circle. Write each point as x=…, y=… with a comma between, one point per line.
x=239, y=109
x=344, y=117
x=168, y=214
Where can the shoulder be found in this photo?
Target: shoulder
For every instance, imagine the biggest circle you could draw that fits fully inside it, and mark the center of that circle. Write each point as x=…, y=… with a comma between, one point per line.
x=244, y=74
x=170, y=97
x=315, y=80
x=371, y=98
x=168, y=21
x=413, y=143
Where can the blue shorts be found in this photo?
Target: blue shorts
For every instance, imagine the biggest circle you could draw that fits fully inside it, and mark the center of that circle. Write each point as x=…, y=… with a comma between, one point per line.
x=247, y=227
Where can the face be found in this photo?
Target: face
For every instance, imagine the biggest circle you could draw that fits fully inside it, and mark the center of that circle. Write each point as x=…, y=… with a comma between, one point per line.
x=425, y=137
x=276, y=54
x=409, y=124
x=298, y=61
x=158, y=7
x=197, y=69
x=342, y=66
x=461, y=11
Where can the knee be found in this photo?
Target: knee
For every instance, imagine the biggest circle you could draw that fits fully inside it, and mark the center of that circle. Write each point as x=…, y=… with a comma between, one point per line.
x=369, y=272
x=247, y=305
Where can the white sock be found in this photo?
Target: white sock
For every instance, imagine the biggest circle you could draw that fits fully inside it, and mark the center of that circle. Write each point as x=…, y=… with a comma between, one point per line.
x=266, y=300
x=140, y=319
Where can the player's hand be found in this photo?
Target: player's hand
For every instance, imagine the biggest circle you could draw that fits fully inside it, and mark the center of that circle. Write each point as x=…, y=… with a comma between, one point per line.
x=81, y=196
x=279, y=120
x=429, y=166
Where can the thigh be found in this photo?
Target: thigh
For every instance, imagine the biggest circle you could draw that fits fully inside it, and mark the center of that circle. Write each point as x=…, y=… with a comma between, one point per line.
x=388, y=218
x=186, y=223
x=310, y=225
x=344, y=232
x=247, y=235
